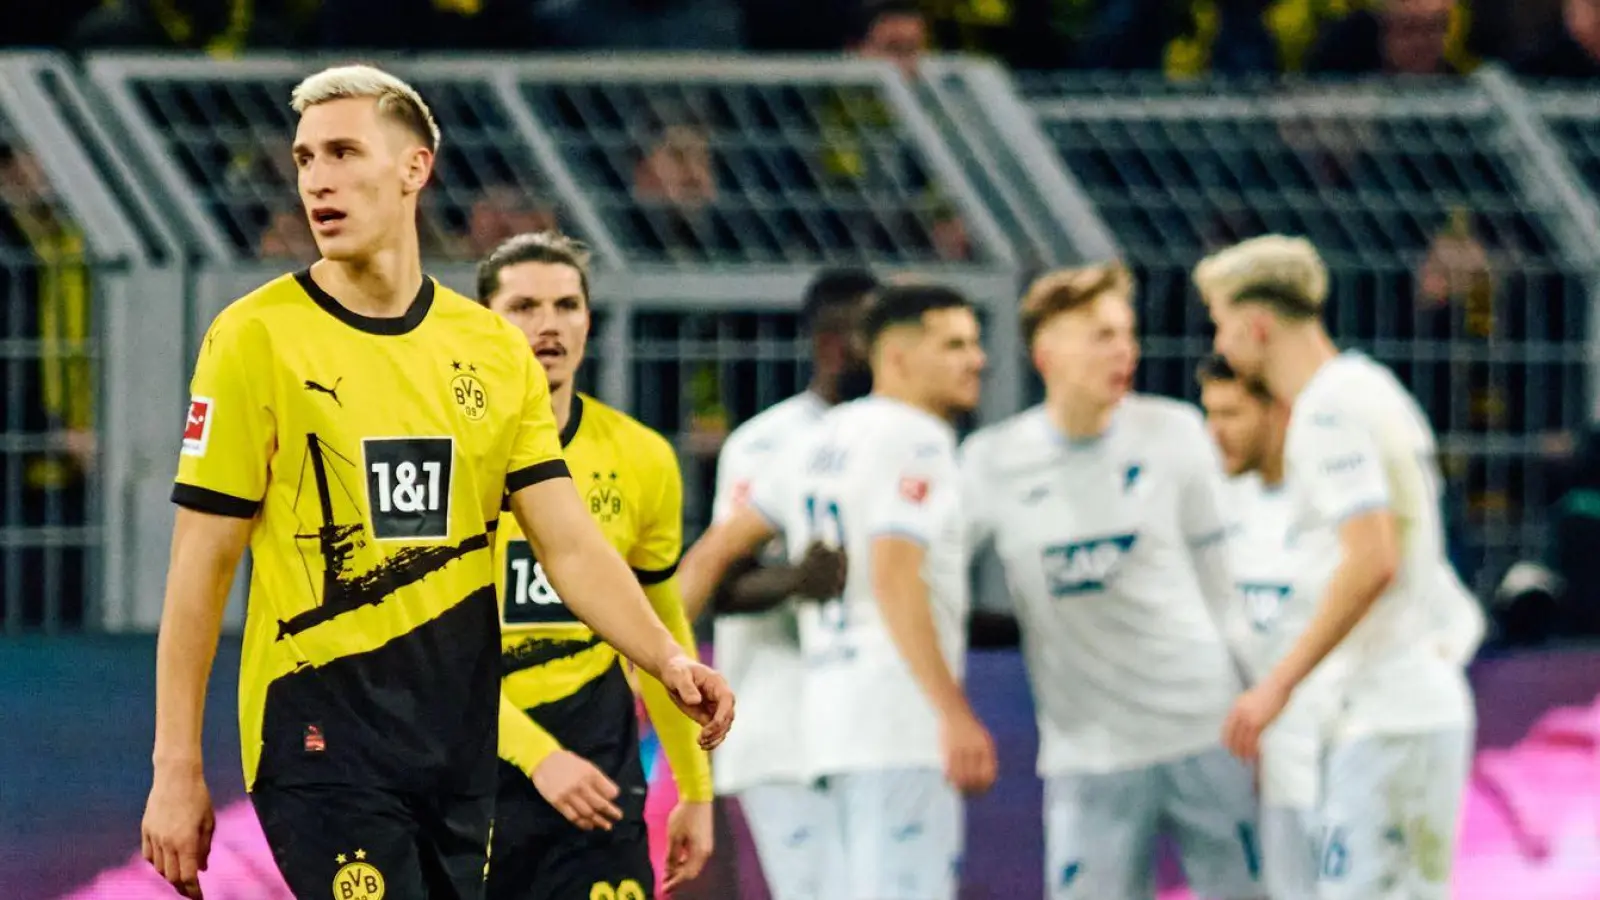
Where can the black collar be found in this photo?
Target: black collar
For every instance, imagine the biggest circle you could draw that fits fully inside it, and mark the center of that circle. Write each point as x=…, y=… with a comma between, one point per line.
x=574, y=419
x=385, y=325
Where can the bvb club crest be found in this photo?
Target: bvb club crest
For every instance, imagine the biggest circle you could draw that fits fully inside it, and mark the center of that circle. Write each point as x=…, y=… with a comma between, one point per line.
x=467, y=391
x=357, y=879
x=605, y=497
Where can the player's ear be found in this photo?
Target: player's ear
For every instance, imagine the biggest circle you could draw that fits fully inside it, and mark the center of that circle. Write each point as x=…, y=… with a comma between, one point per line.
x=419, y=166
x=1040, y=357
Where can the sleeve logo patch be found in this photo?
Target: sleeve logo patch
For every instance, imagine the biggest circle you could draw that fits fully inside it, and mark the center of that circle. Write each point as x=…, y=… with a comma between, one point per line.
x=914, y=490
x=741, y=492
x=197, y=427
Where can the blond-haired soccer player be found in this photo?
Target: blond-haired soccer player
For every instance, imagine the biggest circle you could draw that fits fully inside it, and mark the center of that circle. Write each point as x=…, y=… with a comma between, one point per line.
x=1249, y=426
x=1103, y=508
x=1364, y=495
x=358, y=425
x=887, y=728
x=570, y=814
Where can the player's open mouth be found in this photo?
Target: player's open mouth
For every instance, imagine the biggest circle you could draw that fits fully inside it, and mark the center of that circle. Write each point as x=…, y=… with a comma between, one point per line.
x=325, y=216
x=549, y=354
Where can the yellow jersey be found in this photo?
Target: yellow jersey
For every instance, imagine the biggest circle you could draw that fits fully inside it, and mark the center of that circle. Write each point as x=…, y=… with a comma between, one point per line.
x=372, y=455
x=629, y=478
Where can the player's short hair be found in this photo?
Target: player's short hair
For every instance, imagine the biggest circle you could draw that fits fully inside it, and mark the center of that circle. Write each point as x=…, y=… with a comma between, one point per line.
x=1283, y=273
x=1065, y=290
x=1214, y=369
x=396, y=99
x=833, y=288
x=533, y=247
x=906, y=304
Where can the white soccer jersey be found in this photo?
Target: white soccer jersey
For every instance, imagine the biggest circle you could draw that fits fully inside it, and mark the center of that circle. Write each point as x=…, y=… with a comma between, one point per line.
x=1263, y=623
x=1115, y=557
x=759, y=654
x=872, y=468
x=1357, y=441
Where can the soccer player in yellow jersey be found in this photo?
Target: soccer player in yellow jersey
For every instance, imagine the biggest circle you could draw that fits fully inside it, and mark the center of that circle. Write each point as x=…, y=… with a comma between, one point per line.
x=570, y=816
x=358, y=426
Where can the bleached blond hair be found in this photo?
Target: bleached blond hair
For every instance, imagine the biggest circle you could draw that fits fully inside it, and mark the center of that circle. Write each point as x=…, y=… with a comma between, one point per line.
x=396, y=99
x=1285, y=273
x=1064, y=290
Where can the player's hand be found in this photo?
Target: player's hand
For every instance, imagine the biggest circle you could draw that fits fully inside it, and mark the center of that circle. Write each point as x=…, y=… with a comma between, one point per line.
x=578, y=790
x=971, y=763
x=1255, y=709
x=703, y=695
x=821, y=572
x=690, y=840
x=175, y=835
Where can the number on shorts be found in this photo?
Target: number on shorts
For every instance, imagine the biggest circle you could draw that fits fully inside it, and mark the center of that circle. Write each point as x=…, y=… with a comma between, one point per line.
x=1333, y=853
x=627, y=889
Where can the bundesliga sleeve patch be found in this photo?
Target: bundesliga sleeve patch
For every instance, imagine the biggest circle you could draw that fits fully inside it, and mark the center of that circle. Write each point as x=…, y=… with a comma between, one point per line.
x=197, y=427
x=741, y=493
x=914, y=489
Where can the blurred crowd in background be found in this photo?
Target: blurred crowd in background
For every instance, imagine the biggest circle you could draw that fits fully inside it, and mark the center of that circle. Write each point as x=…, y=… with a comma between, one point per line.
x=1548, y=38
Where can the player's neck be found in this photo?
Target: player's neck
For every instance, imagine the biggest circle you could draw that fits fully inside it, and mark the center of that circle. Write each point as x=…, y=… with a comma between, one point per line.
x=380, y=286
x=1300, y=354
x=1271, y=472
x=826, y=387
x=1076, y=418
x=901, y=394
x=561, y=400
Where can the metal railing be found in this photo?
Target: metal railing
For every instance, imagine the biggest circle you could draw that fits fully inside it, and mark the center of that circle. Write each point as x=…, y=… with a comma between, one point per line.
x=1459, y=218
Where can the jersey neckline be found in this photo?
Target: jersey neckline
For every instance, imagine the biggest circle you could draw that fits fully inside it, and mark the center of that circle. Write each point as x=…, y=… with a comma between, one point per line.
x=389, y=326
x=574, y=419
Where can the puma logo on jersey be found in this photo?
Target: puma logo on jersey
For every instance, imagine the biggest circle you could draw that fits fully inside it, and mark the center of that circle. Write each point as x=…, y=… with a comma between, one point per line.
x=1263, y=602
x=1082, y=567
x=330, y=391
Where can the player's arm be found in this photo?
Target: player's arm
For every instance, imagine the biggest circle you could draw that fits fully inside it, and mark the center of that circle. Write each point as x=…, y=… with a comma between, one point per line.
x=222, y=475
x=745, y=585
x=900, y=518
x=731, y=539
x=588, y=573
x=572, y=785
x=1347, y=484
x=654, y=559
x=902, y=595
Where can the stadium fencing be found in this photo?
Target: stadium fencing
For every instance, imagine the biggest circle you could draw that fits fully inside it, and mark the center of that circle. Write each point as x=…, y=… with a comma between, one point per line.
x=1459, y=219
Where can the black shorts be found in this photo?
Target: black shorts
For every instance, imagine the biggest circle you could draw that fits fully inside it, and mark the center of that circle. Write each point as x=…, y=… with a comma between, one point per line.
x=359, y=843
x=537, y=853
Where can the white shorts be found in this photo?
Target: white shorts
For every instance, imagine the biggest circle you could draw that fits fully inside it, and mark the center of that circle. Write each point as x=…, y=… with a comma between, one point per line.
x=1290, y=788
x=1101, y=830
x=1390, y=815
x=900, y=833
x=1289, y=853
x=793, y=826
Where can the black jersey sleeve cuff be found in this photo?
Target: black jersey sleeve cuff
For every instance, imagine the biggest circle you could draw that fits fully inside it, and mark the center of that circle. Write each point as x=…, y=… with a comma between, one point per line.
x=648, y=577
x=532, y=475
x=216, y=503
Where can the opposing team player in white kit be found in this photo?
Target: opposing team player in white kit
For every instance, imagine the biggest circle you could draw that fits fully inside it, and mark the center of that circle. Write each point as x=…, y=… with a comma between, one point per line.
x=756, y=633
x=1249, y=427
x=1104, y=511
x=888, y=729
x=1363, y=495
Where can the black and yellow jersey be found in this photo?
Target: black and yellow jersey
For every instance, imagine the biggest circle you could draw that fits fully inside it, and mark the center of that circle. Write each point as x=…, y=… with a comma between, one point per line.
x=373, y=455
x=629, y=477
